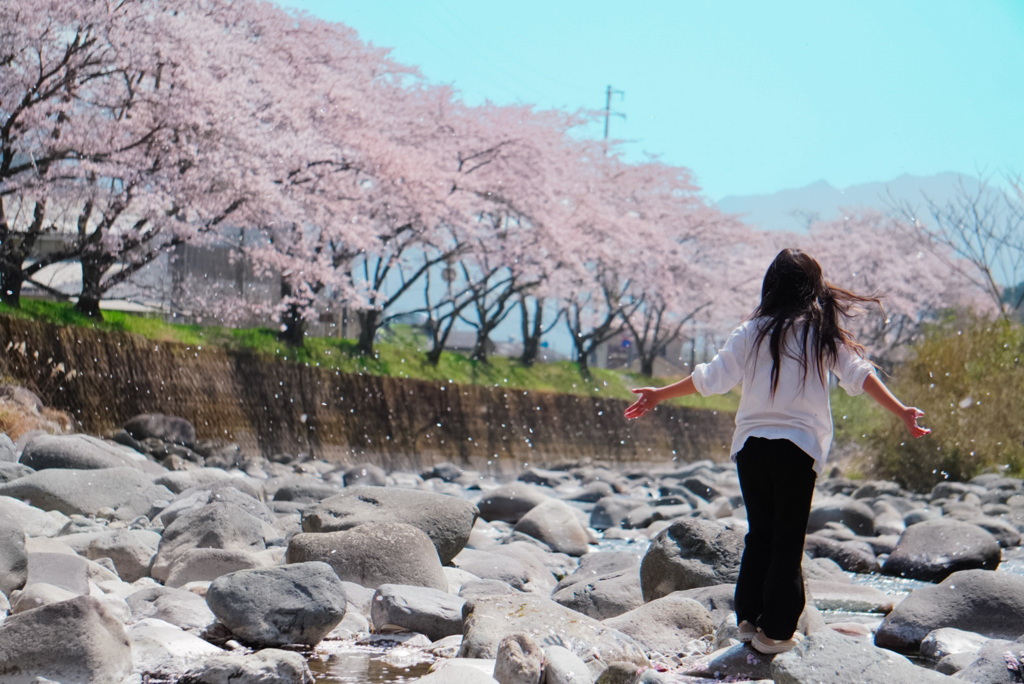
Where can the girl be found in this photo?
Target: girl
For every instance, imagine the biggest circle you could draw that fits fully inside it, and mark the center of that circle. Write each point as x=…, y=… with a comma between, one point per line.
x=783, y=355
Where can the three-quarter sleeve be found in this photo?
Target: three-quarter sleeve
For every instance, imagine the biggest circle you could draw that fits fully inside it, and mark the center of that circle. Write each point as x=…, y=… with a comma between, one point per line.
x=725, y=371
x=852, y=369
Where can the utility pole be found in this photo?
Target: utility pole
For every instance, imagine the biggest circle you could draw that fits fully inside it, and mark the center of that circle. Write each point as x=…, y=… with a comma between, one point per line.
x=608, y=113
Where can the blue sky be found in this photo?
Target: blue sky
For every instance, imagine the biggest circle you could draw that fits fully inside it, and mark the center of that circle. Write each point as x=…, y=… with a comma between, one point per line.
x=754, y=96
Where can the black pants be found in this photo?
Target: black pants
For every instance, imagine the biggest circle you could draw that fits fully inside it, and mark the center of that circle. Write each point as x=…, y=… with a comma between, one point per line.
x=777, y=480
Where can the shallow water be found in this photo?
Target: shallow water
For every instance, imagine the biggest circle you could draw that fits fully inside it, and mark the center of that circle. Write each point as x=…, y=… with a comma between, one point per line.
x=348, y=663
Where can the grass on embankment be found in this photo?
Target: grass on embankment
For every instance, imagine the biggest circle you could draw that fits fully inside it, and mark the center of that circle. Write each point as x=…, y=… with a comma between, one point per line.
x=401, y=355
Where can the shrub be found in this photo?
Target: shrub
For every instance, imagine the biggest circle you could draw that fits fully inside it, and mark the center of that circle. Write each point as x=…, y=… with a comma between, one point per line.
x=968, y=378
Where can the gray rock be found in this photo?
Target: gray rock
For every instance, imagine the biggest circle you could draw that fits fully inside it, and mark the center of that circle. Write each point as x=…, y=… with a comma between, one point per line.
x=846, y=660
x=312, y=491
x=511, y=502
x=611, y=511
x=72, y=572
x=364, y=475
x=214, y=526
x=8, y=452
x=159, y=426
x=34, y=521
x=437, y=614
x=447, y=520
x=294, y=604
x=165, y=651
x=947, y=641
x=981, y=601
x=176, y=606
x=855, y=514
x=269, y=666
x=604, y=585
x=990, y=664
x=555, y=523
x=39, y=594
x=131, y=551
x=690, y=553
x=619, y=673
x=485, y=587
x=456, y=671
x=13, y=555
x=488, y=620
x=520, y=660
x=931, y=551
x=13, y=471
x=373, y=554
x=562, y=666
x=128, y=492
x=76, y=452
x=196, y=478
x=717, y=600
x=852, y=556
x=206, y=565
x=666, y=624
x=72, y=641
x=522, y=573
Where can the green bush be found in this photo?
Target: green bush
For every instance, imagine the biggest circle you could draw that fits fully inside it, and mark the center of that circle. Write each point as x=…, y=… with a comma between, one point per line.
x=968, y=378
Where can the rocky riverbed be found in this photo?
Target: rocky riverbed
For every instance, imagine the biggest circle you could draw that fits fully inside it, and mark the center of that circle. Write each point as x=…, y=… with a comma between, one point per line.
x=152, y=557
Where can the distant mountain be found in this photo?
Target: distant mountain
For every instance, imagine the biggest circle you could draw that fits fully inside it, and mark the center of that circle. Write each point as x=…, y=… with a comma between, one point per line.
x=792, y=209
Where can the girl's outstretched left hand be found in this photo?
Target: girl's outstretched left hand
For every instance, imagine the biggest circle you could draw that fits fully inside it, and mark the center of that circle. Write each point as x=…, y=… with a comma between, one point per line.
x=910, y=417
x=647, y=401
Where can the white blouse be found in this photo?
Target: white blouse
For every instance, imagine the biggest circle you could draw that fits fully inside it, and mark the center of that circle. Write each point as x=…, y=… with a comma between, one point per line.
x=800, y=410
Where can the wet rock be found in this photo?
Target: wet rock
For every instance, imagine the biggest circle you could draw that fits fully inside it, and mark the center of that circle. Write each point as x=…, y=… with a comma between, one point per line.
x=437, y=614
x=555, y=523
x=931, y=551
x=666, y=624
x=446, y=520
x=690, y=553
x=520, y=660
x=77, y=640
x=846, y=660
x=76, y=452
x=214, y=526
x=851, y=556
x=127, y=492
x=848, y=597
x=981, y=601
x=163, y=427
x=293, y=604
x=372, y=554
x=269, y=666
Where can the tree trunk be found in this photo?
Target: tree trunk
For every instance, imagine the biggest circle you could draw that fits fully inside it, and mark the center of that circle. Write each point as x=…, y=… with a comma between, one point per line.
x=293, y=327
x=369, y=323
x=647, y=366
x=93, y=268
x=11, y=280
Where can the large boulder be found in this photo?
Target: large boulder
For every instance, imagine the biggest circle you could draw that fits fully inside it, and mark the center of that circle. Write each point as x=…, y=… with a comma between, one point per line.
x=373, y=554
x=13, y=555
x=76, y=641
x=34, y=521
x=853, y=513
x=841, y=658
x=989, y=603
x=435, y=613
x=604, y=585
x=487, y=620
x=76, y=452
x=932, y=550
x=214, y=526
x=294, y=604
x=206, y=565
x=555, y=523
x=128, y=492
x=446, y=520
x=690, y=553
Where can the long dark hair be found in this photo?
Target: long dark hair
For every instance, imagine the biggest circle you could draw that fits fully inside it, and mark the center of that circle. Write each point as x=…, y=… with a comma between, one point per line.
x=796, y=297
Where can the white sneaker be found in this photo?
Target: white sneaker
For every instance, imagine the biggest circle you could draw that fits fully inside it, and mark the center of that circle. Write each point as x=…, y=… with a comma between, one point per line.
x=746, y=631
x=768, y=646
